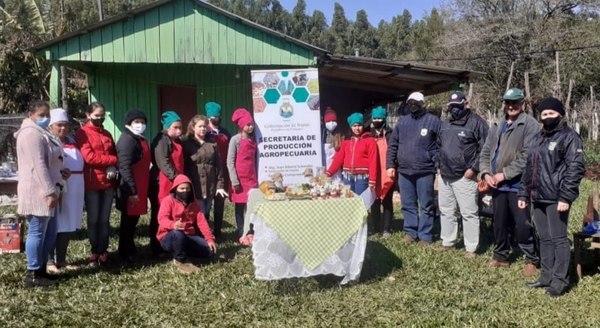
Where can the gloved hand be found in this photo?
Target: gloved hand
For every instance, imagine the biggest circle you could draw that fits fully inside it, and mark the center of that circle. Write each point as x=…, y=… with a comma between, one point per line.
x=222, y=193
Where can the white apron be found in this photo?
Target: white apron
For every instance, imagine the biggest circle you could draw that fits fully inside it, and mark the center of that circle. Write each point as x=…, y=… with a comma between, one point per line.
x=70, y=210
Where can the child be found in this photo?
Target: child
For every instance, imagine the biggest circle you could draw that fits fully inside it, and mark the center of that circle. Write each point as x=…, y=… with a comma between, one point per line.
x=241, y=163
x=179, y=219
x=357, y=157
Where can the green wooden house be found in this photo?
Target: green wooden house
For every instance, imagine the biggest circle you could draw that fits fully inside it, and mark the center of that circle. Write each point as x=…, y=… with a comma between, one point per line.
x=180, y=54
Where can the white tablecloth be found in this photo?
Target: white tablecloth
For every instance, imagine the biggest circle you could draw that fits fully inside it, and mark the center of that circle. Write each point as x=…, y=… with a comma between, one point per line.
x=274, y=259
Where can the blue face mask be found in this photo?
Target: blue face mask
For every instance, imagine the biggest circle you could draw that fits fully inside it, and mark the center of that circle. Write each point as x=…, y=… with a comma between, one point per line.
x=43, y=122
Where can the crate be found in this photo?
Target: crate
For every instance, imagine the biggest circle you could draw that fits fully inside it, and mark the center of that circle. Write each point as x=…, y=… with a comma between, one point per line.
x=11, y=234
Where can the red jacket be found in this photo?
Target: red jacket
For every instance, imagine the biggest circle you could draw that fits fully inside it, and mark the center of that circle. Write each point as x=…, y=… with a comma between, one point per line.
x=172, y=209
x=357, y=156
x=99, y=152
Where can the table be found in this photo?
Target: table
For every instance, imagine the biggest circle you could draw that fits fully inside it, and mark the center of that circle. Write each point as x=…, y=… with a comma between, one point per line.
x=303, y=238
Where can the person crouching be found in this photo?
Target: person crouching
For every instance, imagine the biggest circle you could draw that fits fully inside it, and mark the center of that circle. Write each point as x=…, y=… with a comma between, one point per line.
x=179, y=219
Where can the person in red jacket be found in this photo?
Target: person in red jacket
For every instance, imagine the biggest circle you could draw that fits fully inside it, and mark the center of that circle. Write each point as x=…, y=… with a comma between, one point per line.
x=179, y=219
x=100, y=156
x=357, y=158
x=168, y=153
x=134, y=165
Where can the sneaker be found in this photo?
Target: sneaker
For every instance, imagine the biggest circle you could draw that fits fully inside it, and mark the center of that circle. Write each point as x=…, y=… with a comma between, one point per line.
x=423, y=243
x=53, y=268
x=246, y=240
x=70, y=267
x=386, y=235
x=444, y=248
x=470, y=255
x=192, y=267
x=93, y=260
x=408, y=239
x=529, y=270
x=184, y=267
x=36, y=279
x=493, y=263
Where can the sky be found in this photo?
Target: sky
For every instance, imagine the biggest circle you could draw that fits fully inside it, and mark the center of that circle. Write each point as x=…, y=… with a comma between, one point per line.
x=376, y=9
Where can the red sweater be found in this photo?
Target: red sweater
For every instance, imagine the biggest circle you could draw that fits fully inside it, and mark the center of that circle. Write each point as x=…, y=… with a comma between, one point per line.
x=99, y=152
x=172, y=209
x=357, y=156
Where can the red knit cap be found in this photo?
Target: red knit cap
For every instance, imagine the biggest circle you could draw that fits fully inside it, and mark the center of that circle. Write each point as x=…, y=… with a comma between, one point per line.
x=330, y=115
x=241, y=117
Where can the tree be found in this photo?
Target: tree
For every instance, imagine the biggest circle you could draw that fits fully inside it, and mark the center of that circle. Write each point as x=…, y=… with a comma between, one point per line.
x=395, y=38
x=362, y=36
x=339, y=27
x=299, y=21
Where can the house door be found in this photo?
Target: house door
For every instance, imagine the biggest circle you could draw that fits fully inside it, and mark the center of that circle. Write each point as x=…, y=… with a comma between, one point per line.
x=182, y=99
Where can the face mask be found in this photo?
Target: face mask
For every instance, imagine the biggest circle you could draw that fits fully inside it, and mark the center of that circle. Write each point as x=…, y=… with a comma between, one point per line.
x=331, y=125
x=138, y=128
x=458, y=112
x=183, y=196
x=415, y=110
x=215, y=121
x=378, y=124
x=97, y=121
x=551, y=123
x=43, y=122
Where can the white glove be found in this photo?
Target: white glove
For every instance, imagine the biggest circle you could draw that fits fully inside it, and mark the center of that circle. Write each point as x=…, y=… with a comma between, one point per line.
x=222, y=193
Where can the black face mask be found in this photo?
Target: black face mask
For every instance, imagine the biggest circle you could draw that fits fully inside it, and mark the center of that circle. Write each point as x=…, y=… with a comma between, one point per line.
x=378, y=125
x=551, y=123
x=97, y=121
x=458, y=112
x=415, y=110
x=183, y=196
x=215, y=121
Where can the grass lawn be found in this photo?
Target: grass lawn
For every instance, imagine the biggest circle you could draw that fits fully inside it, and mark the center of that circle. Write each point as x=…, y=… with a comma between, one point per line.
x=401, y=285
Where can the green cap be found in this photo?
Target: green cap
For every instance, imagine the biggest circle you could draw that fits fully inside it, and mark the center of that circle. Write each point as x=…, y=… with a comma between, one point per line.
x=513, y=94
x=212, y=109
x=356, y=118
x=379, y=112
x=168, y=118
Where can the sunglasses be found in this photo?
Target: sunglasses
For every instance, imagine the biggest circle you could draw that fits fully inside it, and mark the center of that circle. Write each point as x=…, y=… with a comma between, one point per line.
x=512, y=102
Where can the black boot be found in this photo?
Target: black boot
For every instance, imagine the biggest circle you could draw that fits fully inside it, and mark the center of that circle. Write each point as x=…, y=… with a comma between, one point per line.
x=44, y=273
x=34, y=279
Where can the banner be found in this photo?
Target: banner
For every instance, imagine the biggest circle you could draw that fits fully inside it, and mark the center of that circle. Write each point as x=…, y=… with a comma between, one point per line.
x=288, y=122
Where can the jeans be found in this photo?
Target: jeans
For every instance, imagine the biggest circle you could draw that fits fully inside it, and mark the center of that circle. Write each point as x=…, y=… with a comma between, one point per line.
x=357, y=183
x=240, y=210
x=41, y=237
x=58, y=253
x=219, y=209
x=511, y=222
x=155, y=246
x=555, y=251
x=181, y=245
x=205, y=206
x=416, y=193
x=127, y=246
x=464, y=192
x=98, y=204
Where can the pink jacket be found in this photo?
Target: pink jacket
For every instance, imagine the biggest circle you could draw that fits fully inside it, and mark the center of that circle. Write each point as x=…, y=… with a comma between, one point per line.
x=40, y=160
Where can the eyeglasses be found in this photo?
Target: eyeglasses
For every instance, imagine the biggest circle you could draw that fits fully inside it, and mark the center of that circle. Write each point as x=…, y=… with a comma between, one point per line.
x=512, y=102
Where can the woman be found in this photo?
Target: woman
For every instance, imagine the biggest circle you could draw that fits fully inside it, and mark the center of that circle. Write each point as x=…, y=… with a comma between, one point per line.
x=357, y=158
x=202, y=164
x=100, y=156
x=70, y=209
x=134, y=165
x=168, y=153
x=331, y=136
x=241, y=163
x=40, y=161
x=554, y=170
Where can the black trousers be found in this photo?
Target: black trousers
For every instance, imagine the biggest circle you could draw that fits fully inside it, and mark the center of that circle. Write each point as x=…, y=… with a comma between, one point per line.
x=218, y=210
x=511, y=222
x=379, y=222
x=555, y=250
x=155, y=246
x=240, y=211
x=127, y=235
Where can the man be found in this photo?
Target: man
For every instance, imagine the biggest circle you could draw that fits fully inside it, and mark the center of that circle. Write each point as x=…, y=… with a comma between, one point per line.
x=502, y=162
x=221, y=136
x=412, y=153
x=460, y=140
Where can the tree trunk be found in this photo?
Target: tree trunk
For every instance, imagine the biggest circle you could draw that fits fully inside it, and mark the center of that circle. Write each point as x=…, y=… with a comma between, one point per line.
x=63, y=88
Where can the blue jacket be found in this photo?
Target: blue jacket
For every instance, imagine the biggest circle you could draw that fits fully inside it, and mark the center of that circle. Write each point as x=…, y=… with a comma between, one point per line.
x=412, y=147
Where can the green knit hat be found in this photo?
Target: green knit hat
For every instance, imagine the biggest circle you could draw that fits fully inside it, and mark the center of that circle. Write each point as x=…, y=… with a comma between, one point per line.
x=356, y=118
x=168, y=118
x=212, y=109
x=379, y=112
